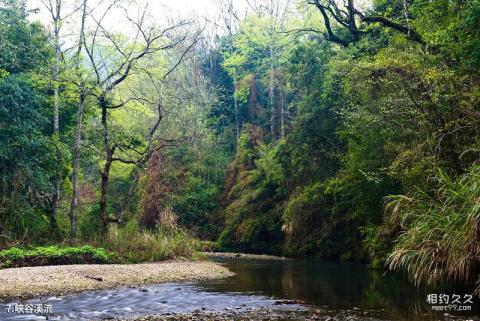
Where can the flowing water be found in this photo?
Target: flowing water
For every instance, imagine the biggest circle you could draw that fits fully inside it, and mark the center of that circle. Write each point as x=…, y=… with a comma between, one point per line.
x=328, y=286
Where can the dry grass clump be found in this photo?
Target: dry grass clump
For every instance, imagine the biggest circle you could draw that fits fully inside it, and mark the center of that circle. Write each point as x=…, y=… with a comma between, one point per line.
x=167, y=219
x=441, y=231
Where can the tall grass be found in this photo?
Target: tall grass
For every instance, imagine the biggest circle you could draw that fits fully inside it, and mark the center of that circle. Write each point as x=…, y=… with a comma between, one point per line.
x=136, y=245
x=441, y=230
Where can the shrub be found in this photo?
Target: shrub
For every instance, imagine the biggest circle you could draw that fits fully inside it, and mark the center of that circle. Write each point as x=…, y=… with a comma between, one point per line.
x=136, y=245
x=53, y=255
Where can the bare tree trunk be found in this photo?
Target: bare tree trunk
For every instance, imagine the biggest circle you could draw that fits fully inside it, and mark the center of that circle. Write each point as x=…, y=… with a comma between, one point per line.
x=282, y=107
x=271, y=92
x=76, y=165
x=235, y=103
x=407, y=18
x=78, y=133
x=252, y=100
x=105, y=173
x=56, y=126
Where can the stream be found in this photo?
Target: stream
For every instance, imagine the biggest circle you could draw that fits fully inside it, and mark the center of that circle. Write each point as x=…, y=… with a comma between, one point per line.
x=332, y=287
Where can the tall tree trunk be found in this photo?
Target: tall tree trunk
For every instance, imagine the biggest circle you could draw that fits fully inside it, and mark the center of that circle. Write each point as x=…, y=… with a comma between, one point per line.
x=105, y=173
x=271, y=92
x=235, y=104
x=282, y=106
x=407, y=18
x=78, y=132
x=76, y=165
x=252, y=100
x=56, y=126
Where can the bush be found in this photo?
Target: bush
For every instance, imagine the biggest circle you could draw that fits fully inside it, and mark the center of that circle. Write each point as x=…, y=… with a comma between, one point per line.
x=128, y=244
x=53, y=255
x=136, y=245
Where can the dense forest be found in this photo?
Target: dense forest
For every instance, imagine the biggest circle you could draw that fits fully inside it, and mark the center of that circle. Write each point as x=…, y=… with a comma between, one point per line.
x=322, y=129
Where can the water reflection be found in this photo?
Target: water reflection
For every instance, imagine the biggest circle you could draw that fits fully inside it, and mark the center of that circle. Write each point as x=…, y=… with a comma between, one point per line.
x=333, y=285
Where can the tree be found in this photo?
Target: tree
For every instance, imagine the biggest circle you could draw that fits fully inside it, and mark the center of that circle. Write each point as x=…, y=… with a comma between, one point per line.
x=23, y=45
x=355, y=21
x=255, y=62
x=24, y=157
x=55, y=12
x=24, y=154
x=110, y=72
x=82, y=96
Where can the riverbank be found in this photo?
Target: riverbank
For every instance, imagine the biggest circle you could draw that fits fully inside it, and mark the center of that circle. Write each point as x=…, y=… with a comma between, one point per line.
x=231, y=255
x=257, y=315
x=277, y=315
x=30, y=282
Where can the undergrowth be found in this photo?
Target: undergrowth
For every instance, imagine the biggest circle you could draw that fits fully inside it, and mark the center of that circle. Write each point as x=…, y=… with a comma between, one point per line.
x=136, y=245
x=54, y=255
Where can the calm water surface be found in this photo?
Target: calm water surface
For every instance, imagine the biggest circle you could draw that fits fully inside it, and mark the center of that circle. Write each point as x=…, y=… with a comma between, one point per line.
x=329, y=286
x=336, y=286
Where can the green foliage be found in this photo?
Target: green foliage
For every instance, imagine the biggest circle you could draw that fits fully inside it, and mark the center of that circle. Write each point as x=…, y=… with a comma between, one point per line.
x=196, y=204
x=318, y=222
x=89, y=224
x=24, y=158
x=313, y=137
x=255, y=59
x=252, y=218
x=453, y=27
x=54, y=255
x=22, y=123
x=23, y=45
x=375, y=119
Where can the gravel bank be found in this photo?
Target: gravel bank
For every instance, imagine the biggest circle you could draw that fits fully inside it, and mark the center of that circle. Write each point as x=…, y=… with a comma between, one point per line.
x=256, y=315
x=282, y=315
x=29, y=282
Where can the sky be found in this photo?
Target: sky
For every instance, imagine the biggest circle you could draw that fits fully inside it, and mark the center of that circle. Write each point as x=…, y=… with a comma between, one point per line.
x=159, y=9
x=182, y=7
x=162, y=14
